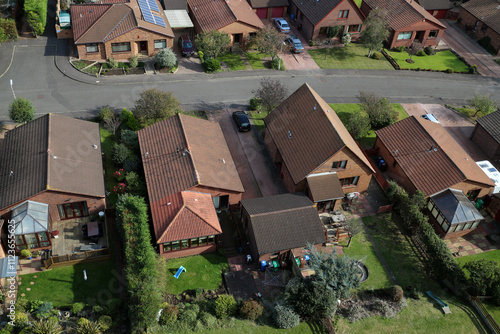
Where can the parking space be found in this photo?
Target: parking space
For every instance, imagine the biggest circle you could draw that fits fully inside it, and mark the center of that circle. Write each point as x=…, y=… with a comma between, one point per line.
x=457, y=125
x=187, y=65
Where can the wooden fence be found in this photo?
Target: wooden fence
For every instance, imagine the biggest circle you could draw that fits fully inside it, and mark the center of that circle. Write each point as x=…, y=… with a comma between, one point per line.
x=487, y=318
x=71, y=259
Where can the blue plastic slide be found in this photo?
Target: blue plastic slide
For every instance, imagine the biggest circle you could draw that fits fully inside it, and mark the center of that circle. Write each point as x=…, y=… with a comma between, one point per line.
x=443, y=305
x=178, y=273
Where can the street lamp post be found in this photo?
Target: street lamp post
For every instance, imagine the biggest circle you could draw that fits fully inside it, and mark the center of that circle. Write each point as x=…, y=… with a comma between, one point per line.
x=12, y=88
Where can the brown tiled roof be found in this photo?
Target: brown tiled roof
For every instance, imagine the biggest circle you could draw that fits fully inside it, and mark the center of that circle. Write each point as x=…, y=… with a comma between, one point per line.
x=268, y=3
x=324, y=187
x=184, y=215
x=315, y=11
x=491, y=124
x=98, y=23
x=435, y=4
x=307, y=132
x=283, y=222
x=488, y=11
x=51, y=153
x=182, y=152
x=402, y=13
x=216, y=14
x=429, y=156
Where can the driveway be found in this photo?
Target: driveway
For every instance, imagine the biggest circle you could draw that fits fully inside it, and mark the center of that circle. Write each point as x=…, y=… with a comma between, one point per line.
x=301, y=61
x=464, y=46
x=457, y=125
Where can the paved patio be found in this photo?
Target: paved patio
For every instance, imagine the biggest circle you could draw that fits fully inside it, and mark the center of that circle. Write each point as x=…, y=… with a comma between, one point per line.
x=71, y=236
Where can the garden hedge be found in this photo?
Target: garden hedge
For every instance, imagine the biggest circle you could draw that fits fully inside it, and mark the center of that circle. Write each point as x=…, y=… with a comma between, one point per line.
x=36, y=14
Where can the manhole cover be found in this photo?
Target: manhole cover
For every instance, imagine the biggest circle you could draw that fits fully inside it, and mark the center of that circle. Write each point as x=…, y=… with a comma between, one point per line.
x=40, y=96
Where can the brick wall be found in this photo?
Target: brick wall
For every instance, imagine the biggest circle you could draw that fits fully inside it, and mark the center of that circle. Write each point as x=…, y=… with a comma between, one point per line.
x=134, y=37
x=486, y=142
x=468, y=185
x=439, y=230
x=187, y=252
x=239, y=28
x=469, y=20
x=234, y=197
x=53, y=198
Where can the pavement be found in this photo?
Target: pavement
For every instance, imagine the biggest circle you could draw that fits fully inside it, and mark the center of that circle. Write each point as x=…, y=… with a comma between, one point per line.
x=455, y=37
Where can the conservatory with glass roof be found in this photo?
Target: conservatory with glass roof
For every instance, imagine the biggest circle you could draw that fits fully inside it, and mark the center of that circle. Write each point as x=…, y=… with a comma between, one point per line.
x=31, y=225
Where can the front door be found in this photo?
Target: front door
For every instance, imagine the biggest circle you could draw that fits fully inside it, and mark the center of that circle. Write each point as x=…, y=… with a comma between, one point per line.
x=143, y=46
x=419, y=37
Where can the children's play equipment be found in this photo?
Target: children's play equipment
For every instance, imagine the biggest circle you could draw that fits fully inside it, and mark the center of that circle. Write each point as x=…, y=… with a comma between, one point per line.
x=179, y=272
x=443, y=305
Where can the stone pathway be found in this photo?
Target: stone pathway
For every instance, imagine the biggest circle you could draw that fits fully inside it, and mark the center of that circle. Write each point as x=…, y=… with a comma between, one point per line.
x=149, y=67
x=30, y=266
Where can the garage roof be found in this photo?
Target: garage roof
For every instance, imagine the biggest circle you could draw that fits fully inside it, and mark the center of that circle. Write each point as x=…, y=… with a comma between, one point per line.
x=178, y=18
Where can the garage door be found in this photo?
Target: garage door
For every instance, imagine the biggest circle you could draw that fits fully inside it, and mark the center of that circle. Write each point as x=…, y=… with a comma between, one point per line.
x=277, y=12
x=261, y=13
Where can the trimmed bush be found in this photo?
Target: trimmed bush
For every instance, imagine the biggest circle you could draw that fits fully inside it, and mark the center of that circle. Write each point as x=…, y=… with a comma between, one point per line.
x=255, y=104
x=376, y=55
x=473, y=69
x=168, y=315
x=25, y=253
x=225, y=306
x=105, y=321
x=285, y=317
x=119, y=153
x=36, y=14
x=133, y=62
x=130, y=139
x=395, y=293
x=399, y=48
x=251, y=310
x=166, y=58
x=429, y=50
x=77, y=308
x=8, y=31
x=113, y=63
x=421, y=53
x=21, y=110
x=207, y=319
x=211, y=65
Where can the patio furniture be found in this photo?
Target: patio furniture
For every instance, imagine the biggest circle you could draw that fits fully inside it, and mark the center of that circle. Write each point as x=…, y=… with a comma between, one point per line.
x=93, y=229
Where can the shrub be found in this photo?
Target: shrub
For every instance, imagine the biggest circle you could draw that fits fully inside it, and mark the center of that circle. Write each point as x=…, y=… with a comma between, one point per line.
x=255, y=104
x=275, y=64
x=355, y=313
x=133, y=62
x=105, y=114
x=285, y=317
x=82, y=321
x=211, y=65
x=421, y=53
x=376, y=55
x=77, y=308
x=44, y=310
x=105, y=322
x=207, y=319
x=251, y=310
x=36, y=14
x=168, y=315
x=8, y=31
x=132, y=163
x=166, y=58
x=87, y=327
x=133, y=181
x=399, y=48
x=225, y=306
x=429, y=50
x=346, y=38
x=25, y=253
x=395, y=293
x=496, y=294
x=49, y=326
x=130, y=139
x=21, y=319
x=334, y=31
x=473, y=69
x=119, y=153
x=200, y=55
x=129, y=119
x=449, y=70
x=113, y=63
x=21, y=110
x=188, y=315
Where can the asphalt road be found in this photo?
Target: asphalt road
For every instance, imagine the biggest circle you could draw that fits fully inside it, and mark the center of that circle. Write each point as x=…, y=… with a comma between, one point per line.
x=36, y=77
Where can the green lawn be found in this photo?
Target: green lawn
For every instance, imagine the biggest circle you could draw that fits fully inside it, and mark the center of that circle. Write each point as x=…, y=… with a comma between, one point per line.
x=493, y=255
x=107, y=141
x=202, y=271
x=421, y=316
x=441, y=61
x=233, y=60
x=358, y=2
x=362, y=249
x=353, y=56
x=65, y=285
x=343, y=110
x=258, y=119
x=255, y=59
x=467, y=111
x=493, y=310
x=249, y=327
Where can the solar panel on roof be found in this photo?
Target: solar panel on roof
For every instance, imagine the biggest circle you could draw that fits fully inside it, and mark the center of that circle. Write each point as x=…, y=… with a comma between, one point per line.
x=153, y=5
x=159, y=21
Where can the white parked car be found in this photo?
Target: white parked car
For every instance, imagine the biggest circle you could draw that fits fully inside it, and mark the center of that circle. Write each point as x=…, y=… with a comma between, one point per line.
x=430, y=117
x=282, y=25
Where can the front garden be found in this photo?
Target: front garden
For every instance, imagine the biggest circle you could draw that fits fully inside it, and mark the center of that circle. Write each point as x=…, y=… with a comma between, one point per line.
x=440, y=61
x=112, y=67
x=233, y=61
x=352, y=56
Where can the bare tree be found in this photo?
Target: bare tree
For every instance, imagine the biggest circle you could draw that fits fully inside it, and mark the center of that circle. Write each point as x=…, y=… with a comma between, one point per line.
x=271, y=93
x=113, y=123
x=414, y=49
x=352, y=227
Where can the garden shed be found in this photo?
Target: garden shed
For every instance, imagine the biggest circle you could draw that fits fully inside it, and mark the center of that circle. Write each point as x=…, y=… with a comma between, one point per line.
x=452, y=213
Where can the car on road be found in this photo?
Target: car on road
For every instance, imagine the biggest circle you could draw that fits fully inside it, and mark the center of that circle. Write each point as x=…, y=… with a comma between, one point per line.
x=295, y=44
x=241, y=120
x=186, y=46
x=282, y=25
x=430, y=117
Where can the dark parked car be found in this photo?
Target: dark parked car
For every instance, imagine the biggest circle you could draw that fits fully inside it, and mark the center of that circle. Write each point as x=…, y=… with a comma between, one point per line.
x=186, y=46
x=295, y=44
x=241, y=120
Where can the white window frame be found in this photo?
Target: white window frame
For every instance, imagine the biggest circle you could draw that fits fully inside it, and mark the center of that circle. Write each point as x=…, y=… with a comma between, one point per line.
x=404, y=34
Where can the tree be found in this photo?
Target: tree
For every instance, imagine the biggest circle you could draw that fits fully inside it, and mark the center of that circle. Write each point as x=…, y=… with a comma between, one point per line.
x=376, y=30
x=483, y=103
x=358, y=124
x=484, y=275
x=21, y=110
x=155, y=105
x=414, y=49
x=112, y=124
x=379, y=110
x=212, y=43
x=310, y=300
x=270, y=41
x=271, y=93
x=352, y=227
x=166, y=58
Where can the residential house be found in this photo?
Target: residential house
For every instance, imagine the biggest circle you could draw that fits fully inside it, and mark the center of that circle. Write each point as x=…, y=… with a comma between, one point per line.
x=313, y=151
x=233, y=17
x=267, y=9
x=486, y=135
x=51, y=171
x=483, y=17
x=452, y=214
x=317, y=17
x=120, y=30
x=184, y=156
x=276, y=225
x=422, y=155
x=408, y=22
x=437, y=8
